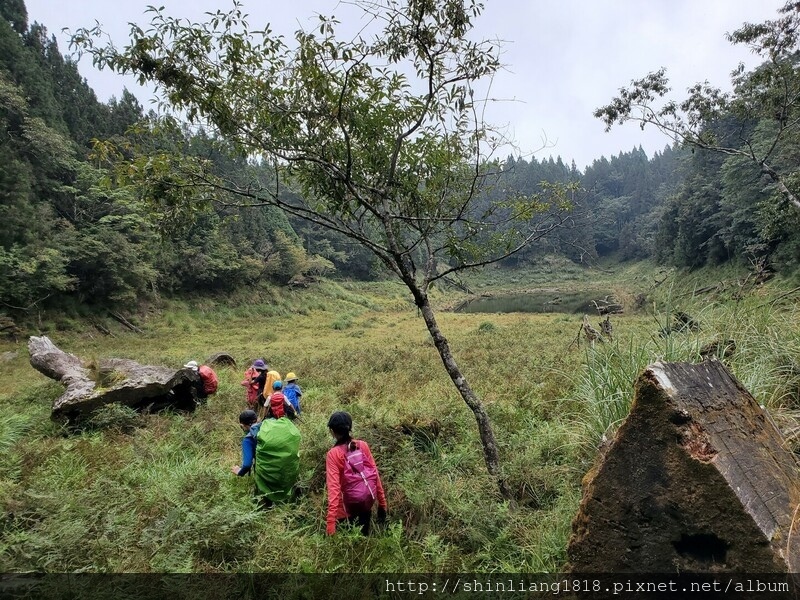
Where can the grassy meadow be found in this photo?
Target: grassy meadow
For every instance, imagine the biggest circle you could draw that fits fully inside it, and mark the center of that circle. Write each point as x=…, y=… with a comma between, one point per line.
x=154, y=493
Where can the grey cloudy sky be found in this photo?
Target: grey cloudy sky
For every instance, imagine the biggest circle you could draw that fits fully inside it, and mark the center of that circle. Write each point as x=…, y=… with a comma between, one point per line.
x=564, y=57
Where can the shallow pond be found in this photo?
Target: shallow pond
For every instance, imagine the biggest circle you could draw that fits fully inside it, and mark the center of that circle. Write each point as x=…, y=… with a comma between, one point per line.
x=537, y=301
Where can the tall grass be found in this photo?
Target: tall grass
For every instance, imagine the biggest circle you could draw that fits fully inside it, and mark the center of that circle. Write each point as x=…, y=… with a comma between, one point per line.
x=154, y=493
x=759, y=344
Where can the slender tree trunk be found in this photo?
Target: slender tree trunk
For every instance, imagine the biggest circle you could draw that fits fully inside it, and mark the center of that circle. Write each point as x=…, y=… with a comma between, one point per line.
x=485, y=430
x=765, y=168
x=788, y=193
x=490, y=454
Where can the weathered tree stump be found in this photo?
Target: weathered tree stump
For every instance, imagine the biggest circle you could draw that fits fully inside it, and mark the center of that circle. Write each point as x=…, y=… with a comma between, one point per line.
x=681, y=323
x=9, y=328
x=592, y=334
x=697, y=479
x=606, y=328
x=114, y=380
x=718, y=349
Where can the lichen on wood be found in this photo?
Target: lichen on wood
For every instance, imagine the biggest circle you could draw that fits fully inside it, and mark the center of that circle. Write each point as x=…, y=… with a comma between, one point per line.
x=114, y=380
x=697, y=479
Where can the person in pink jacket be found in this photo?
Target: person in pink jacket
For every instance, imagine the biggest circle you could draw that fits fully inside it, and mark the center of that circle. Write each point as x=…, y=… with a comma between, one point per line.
x=340, y=425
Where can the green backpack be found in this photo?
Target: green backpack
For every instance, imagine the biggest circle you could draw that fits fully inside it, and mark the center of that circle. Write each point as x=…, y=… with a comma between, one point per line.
x=277, y=458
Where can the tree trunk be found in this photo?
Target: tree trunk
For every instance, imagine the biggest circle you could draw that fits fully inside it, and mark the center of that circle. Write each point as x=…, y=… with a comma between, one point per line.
x=773, y=174
x=114, y=380
x=485, y=430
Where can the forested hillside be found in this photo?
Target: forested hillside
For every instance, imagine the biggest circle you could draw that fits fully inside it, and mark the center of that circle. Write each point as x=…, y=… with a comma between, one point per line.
x=75, y=236
x=70, y=238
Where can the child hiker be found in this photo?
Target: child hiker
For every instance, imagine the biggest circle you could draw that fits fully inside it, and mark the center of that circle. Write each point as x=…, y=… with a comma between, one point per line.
x=277, y=405
x=292, y=391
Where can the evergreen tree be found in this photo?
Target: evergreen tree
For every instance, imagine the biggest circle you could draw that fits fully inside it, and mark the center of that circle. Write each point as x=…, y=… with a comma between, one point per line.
x=15, y=14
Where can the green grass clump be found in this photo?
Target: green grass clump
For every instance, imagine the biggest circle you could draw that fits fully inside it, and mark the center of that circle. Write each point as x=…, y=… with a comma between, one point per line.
x=115, y=416
x=487, y=327
x=342, y=322
x=759, y=344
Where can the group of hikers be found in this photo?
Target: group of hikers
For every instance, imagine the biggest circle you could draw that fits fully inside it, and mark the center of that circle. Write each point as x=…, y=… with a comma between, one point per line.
x=270, y=452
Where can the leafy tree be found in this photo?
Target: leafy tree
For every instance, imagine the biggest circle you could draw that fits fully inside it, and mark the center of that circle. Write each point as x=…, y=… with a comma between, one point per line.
x=288, y=260
x=381, y=136
x=345, y=256
x=108, y=239
x=624, y=198
x=30, y=274
x=67, y=232
x=769, y=95
x=123, y=113
x=539, y=179
x=34, y=161
x=33, y=74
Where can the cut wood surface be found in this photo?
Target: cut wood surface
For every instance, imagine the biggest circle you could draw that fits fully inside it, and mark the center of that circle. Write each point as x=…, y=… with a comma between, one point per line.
x=114, y=380
x=697, y=479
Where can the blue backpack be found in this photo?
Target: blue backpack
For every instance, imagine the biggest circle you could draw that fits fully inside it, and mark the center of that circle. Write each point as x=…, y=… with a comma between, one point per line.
x=290, y=391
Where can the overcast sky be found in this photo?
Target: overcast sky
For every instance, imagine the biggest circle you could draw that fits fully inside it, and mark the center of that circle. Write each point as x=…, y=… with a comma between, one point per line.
x=564, y=57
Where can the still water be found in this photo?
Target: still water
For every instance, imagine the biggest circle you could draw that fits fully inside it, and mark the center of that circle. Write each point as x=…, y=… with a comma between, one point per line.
x=545, y=301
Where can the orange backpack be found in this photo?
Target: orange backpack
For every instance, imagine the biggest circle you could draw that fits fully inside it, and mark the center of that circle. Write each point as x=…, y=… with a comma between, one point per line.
x=209, y=379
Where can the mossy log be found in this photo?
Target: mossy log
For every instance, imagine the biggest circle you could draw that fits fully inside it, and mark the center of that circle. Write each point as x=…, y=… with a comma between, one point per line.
x=697, y=479
x=113, y=380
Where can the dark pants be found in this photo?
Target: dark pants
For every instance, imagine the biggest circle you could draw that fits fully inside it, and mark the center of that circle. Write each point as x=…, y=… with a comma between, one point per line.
x=361, y=519
x=199, y=391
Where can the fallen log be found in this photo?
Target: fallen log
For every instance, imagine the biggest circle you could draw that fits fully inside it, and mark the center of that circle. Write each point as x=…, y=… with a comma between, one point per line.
x=607, y=306
x=118, y=317
x=451, y=281
x=717, y=287
x=221, y=359
x=102, y=328
x=301, y=281
x=611, y=309
x=780, y=297
x=697, y=479
x=114, y=380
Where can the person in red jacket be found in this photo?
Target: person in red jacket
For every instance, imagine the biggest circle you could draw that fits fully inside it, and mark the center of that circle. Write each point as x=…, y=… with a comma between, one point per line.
x=340, y=425
x=204, y=383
